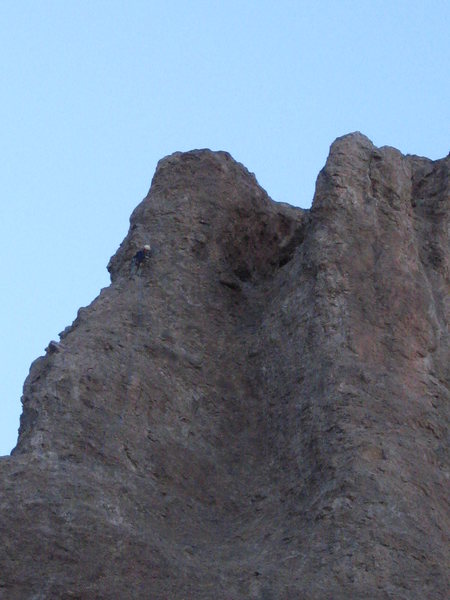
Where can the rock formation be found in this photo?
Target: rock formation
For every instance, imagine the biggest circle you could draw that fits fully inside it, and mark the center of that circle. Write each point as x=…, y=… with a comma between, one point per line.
x=259, y=410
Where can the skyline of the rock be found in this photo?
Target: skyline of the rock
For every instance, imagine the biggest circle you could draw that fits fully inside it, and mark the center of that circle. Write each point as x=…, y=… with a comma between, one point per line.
x=260, y=410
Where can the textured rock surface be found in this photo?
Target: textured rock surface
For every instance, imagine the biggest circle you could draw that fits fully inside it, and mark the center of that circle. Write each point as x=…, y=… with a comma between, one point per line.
x=261, y=412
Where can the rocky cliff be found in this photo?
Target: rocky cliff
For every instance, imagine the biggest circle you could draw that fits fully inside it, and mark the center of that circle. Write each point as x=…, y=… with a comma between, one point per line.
x=259, y=410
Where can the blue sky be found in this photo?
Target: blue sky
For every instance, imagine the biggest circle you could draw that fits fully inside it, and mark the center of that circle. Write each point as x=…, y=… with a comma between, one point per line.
x=94, y=93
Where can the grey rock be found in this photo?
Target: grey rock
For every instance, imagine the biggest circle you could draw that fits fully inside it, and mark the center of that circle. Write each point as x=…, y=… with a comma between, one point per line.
x=261, y=412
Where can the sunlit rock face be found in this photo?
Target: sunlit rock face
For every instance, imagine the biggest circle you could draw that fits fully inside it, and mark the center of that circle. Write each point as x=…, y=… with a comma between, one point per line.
x=256, y=411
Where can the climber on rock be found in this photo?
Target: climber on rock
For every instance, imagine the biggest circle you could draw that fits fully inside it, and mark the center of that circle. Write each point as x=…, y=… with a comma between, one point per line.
x=140, y=258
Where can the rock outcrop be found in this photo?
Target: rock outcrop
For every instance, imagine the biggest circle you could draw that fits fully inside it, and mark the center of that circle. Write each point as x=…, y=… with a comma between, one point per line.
x=259, y=411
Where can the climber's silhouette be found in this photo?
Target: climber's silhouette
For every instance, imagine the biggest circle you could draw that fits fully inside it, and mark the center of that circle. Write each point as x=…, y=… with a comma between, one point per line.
x=140, y=258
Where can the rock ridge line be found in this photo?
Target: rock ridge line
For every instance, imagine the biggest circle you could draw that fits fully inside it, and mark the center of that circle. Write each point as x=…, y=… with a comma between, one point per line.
x=259, y=409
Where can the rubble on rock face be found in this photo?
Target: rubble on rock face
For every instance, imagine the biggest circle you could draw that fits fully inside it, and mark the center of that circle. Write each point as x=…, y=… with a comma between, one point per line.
x=259, y=411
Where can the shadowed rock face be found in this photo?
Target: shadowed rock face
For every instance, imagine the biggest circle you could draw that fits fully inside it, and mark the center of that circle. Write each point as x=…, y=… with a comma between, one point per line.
x=260, y=412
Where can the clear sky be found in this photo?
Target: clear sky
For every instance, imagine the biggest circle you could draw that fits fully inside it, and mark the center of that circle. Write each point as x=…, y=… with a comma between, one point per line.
x=93, y=93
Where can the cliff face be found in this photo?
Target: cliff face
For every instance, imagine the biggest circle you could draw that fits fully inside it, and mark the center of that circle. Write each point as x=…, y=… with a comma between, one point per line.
x=260, y=411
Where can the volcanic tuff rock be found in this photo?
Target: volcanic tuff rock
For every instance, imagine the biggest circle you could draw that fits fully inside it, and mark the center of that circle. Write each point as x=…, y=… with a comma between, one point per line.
x=259, y=412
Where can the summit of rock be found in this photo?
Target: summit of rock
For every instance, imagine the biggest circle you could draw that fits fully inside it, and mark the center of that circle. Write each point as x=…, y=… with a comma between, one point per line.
x=259, y=409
